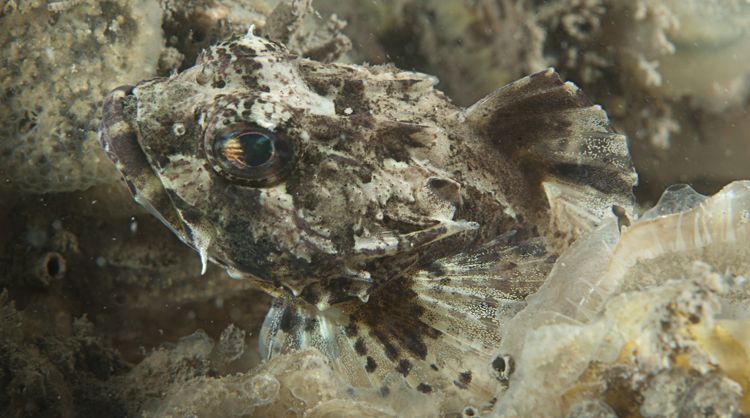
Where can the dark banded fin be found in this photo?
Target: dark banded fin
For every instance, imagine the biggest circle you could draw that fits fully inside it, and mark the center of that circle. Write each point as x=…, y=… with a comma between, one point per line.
x=562, y=149
x=438, y=328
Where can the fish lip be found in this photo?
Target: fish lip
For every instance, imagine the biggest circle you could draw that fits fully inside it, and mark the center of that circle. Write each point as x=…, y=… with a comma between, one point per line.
x=113, y=113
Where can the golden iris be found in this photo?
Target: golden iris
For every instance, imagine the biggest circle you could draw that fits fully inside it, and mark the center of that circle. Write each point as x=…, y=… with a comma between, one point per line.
x=250, y=155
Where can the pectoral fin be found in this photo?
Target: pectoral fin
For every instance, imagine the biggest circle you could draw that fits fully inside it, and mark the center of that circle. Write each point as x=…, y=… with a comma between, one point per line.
x=438, y=328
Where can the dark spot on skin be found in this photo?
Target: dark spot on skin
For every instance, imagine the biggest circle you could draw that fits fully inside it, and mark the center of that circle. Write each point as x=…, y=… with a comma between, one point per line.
x=469, y=412
x=551, y=259
x=390, y=350
x=248, y=253
x=360, y=347
x=605, y=180
x=311, y=294
x=370, y=366
x=449, y=191
x=306, y=168
x=395, y=141
x=250, y=82
x=351, y=330
x=310, y=324
x=509, y=266
x=534, y=250
x=364, y=176
x=384, y=391
x=434, y=367
x=504, y=366
x=436, y=269
x=288, y=320
x=219, y=84
x=404, y=367
x=463, y=380
x=321, y=87
x=352, y=95
x=499, y=364
x=424, y=388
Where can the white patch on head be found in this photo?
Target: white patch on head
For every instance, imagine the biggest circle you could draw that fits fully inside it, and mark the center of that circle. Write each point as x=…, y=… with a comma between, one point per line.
x=397, y=182
x=287, y=89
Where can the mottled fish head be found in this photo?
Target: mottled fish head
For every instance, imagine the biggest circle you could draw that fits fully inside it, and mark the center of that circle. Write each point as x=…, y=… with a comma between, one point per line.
x=293, y=172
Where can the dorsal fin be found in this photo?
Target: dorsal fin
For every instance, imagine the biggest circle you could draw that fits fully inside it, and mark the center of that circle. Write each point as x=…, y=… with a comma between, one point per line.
x=572, y=165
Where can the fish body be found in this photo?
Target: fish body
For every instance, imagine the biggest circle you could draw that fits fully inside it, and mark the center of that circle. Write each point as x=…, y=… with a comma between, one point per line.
x=397, y=230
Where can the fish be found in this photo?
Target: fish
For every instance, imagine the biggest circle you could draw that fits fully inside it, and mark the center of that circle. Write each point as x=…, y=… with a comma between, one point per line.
x=397, y=232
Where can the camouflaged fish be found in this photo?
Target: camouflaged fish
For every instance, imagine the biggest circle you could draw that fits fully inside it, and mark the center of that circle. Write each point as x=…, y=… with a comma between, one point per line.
x=397, y=231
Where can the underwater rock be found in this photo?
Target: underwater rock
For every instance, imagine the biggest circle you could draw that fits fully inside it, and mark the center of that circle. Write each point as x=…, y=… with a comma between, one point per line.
x=671, y=49
x=645, y=319
x=672, y=75
x=138, y=284
x=193, y=25
x=58, y=60
x=472, y=46
x=55, y=368
x=298, y=26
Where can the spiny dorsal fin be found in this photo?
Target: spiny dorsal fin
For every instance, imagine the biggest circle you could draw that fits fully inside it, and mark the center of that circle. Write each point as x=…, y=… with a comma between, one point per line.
x=566, y=152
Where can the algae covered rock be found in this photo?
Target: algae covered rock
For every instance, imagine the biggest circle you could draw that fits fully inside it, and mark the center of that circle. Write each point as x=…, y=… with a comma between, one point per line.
x=58, y=61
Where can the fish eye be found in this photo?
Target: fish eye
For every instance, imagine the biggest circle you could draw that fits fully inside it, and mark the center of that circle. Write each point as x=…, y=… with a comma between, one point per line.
x=249, y=155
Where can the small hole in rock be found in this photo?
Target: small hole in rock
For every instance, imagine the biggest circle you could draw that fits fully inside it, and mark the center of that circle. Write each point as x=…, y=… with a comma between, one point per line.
x=54, y=265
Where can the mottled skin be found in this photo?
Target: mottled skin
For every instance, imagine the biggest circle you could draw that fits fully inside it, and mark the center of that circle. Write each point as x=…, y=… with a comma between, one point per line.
x=385, y=178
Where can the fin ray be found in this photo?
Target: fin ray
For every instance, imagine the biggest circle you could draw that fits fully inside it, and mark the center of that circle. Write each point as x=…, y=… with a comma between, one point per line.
x=437, y=328
x=560, y=141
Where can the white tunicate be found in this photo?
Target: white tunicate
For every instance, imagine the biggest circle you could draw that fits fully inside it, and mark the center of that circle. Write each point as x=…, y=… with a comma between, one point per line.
x=631, y=292
x=264, y=389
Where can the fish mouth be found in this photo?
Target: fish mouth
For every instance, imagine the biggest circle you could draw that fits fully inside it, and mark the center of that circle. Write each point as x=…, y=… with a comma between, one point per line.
x=119, y=137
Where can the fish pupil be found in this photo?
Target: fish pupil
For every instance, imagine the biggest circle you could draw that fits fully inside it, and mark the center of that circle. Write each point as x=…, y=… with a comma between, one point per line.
x=258, y=148
x=248, y=149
